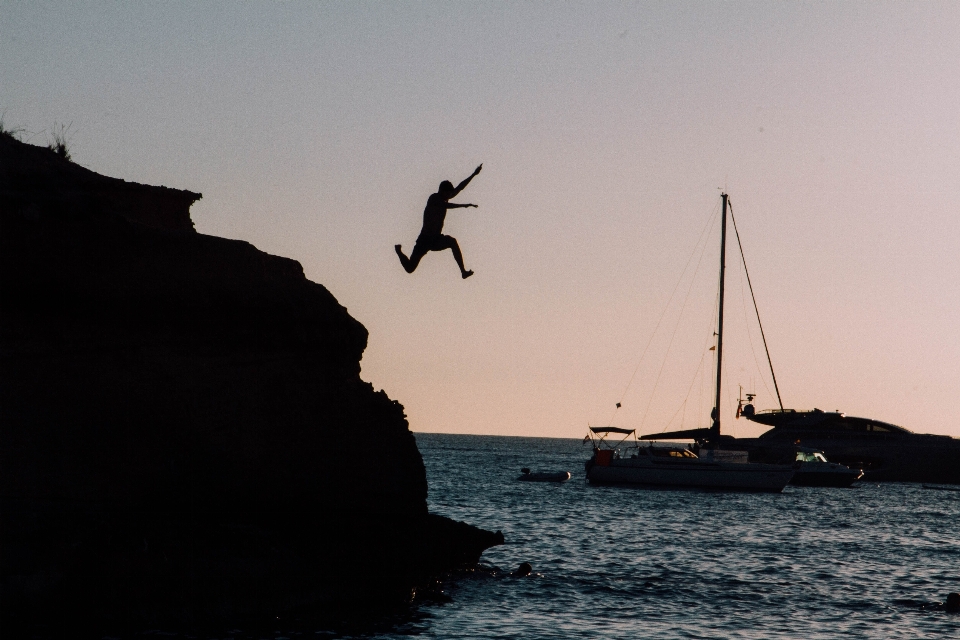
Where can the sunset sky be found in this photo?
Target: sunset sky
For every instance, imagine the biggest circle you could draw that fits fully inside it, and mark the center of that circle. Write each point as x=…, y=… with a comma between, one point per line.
x=607, y=131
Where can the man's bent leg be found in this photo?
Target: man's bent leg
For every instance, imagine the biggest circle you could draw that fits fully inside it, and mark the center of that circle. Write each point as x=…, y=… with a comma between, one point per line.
x=416, y=256
x=410, y=264
x=404, y=260
x=450, y=242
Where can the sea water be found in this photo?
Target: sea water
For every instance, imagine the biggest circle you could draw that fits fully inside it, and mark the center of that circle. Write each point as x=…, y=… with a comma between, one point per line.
x=870, y=561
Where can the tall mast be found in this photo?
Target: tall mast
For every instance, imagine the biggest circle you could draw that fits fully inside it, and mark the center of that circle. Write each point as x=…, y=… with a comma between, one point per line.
x=715, y=428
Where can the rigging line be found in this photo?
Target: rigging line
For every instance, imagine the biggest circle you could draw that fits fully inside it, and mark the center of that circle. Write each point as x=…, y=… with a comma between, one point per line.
x=703, y=381
x=656, y=383
x=743, y=300
x=683, y=405
x=755, y=308
x=729, y=396
x=666, y=307
x=683, y=418
x=622, y=294
x=710, y=338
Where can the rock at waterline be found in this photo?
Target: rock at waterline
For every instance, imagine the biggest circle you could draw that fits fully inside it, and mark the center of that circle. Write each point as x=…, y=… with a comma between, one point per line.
x=953, y=602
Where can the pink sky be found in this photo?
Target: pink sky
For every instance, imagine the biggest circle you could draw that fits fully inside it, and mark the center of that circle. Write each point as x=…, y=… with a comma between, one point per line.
x=317, y=131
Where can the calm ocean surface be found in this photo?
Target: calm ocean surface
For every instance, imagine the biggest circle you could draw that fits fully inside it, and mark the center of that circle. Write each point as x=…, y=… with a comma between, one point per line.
x=613, y=562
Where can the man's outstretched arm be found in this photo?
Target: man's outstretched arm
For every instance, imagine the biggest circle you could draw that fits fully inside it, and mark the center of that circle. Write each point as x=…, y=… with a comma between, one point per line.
x=454, y=205
x=462, y=185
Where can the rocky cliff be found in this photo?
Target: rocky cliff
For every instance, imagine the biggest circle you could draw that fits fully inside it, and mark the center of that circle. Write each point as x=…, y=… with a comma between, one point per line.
x=184, y=433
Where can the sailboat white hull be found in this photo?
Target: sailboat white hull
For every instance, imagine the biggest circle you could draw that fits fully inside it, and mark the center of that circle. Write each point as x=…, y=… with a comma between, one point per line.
x=692, y=472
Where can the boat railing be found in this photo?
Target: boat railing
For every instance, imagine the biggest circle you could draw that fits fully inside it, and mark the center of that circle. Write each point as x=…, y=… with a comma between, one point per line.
x=657, y=450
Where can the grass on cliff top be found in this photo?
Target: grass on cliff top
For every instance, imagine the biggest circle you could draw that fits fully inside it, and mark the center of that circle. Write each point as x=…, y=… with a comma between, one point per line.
x=10, y=132
x=57, y=141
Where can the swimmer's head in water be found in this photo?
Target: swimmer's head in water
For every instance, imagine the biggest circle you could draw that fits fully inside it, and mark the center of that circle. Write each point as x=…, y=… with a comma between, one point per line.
x=446, y=188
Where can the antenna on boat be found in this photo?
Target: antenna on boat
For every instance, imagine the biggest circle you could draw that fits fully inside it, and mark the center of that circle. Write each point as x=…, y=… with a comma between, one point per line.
x=742, y=407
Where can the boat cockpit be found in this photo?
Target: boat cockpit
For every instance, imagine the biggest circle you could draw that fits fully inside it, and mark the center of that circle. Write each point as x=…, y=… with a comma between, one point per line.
x=816, y=456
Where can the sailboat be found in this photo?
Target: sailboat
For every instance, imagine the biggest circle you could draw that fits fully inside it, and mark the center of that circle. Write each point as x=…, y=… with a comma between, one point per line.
x=709, y=467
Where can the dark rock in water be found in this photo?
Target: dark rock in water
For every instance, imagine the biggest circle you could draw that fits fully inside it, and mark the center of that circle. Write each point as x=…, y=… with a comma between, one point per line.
x=953, y=603
x=524, y=569
x=184, y=434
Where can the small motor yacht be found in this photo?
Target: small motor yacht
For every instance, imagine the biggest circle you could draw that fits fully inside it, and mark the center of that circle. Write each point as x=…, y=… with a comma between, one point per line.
x=814, y=470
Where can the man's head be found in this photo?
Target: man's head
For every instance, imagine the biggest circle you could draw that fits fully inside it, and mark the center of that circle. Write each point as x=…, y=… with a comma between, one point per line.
x=446, y=189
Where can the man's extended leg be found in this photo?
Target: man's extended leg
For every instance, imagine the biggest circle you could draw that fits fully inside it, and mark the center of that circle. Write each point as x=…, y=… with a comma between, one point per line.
x=410, y=264
x=451, y=243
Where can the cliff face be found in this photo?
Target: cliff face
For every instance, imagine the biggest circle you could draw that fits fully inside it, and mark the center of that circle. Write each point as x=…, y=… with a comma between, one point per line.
x=183, y=417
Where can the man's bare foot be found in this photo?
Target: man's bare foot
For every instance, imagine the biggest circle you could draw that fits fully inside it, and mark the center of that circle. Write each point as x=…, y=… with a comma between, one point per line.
x=466, y=274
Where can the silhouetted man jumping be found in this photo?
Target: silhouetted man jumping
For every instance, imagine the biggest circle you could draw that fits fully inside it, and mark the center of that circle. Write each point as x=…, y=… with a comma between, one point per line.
x=430, y=238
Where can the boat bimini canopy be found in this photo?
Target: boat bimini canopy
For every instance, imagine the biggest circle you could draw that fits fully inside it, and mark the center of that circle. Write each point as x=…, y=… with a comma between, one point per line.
x=601, y=434
x=611, y=430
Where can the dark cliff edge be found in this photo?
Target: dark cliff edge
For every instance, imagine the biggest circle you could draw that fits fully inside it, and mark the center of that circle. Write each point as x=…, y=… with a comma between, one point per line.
x=184, y=433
